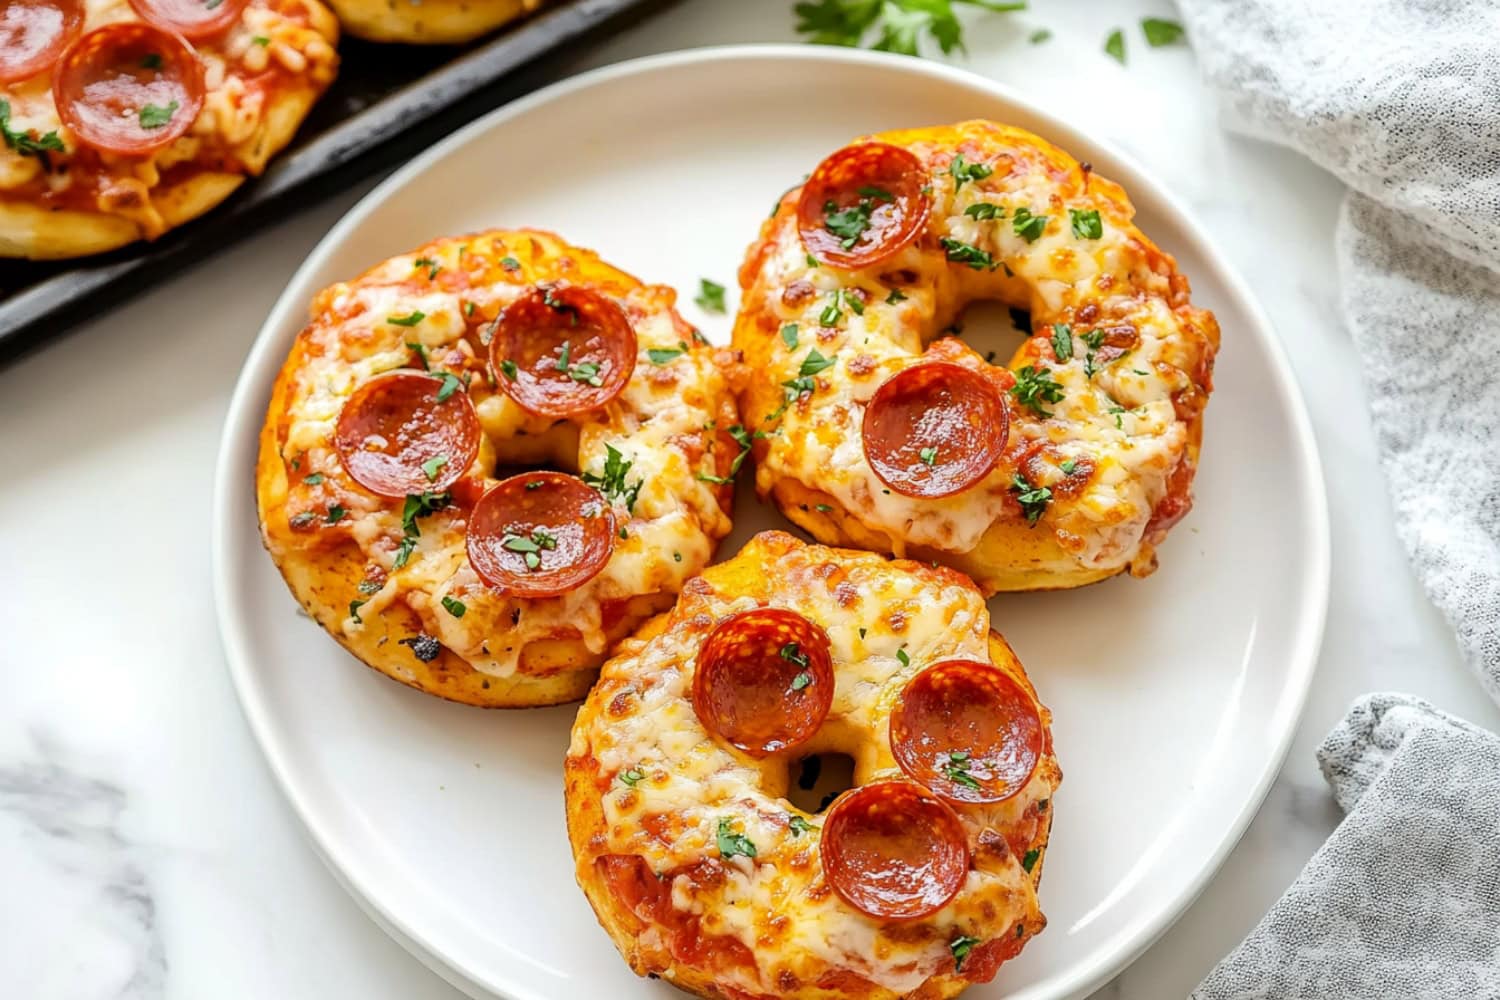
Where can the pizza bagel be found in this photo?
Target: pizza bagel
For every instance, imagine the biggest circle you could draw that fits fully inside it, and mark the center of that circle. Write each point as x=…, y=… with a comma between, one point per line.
x=876, y=428
x=125, y=118
x=432, y=22
x=487, y=460
x=916, y=882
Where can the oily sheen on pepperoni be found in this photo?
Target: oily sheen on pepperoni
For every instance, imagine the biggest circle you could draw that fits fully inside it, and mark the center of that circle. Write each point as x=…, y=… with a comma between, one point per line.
x=862, y=205
x=967, y=731
x=128, y=88
x=894, y=851
x=561, y=350
x=396, y=437
x=540, y=534
x=194, y=19
x=33, y=32
x=764, y=680
x=934, y=429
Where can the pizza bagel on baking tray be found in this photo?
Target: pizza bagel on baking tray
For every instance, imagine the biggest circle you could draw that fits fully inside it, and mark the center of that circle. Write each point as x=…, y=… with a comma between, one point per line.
x=124, y=119
x=918, y=881
x=875, y=429
x=433, y=22
x=487, y=460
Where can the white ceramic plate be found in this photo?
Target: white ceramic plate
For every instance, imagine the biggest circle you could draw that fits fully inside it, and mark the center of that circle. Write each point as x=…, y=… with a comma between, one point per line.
x=1175, y=697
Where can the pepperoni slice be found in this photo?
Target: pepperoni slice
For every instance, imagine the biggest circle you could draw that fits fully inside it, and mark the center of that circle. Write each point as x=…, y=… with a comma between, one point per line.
x=935, y=429
x=894, y=851
x=968, y=731
x=33, y=32
x=396, y=437
x=540, y=534
x=194, y=19
x=128, y=88
x=862, y=205
x=561, y=350
x=764, y=680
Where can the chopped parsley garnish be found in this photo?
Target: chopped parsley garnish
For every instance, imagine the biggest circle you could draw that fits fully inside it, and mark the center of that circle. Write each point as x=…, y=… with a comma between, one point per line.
x=967, y=253
x=792, y=653
x=420, y=350
x=432, y=466
x=631, y=776
x=823, y=508
x=901, y=655
x=666, y=355
x=801, y=681
x=451, y=384
x=586, y=372
x=557, y=305
x=611, y=482
x=151, y=60
x=369, y=587
x=849, y=224
x=1159, y=31
x=1116, y=411
x=862, y=632
x=530, y=548
x=833, y=312
x=984, y=211
x=22, y=142
x=710, y=296
x=510, y=263
x=1067, y=466
x=1086, y=223
x=508, y=369
x=1062, y=341
x=706, y=477
x=961, y=946
x=354, y=607
x=303, y=519
x=1033, y=499
x=410, y=319
x=743, y=439
x=1028, y=861
x=814, y=363
x=963, y=172
x=336, y=514
x=1095, y=340
x=1114, y=45
x=677, y=557
x=900, y=23
x=731, y=843
x=417, y=505
x=433, y=267
x=1027, y=226
x=897, y=295
x=928, y=456
x=1035, y=386
x=260, y=40
x=1039, y=36
x=454, y=606
x=956, y=769
x=313, y=479
x=799, y=826
x=789, y=336
x=155, y=116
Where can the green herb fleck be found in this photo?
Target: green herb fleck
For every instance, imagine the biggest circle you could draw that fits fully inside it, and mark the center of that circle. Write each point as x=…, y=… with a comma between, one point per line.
x=1035, y=386
x=354, y=607
x=789, y=336
x=1086, y=223
x=611, y=482
x=731, y=843
x=454, y=606
x=897, y=295
x=152, y=60
x=710, y=296
x=155, y=116
x=336, y=514
x=901, y=655
x=799, y=825
x=1033, y=499
x=1039, y=36
x=22, y=141
x=1028, y=861
x=961, y=946
x=1159, y=31
x=410, y=319
x=432, y=466
x=967, y=253
x=1114, y=46
x=1027, y=226
x=313, y=479
x=1062, y=341
x=956, y=769
x=666, y=355
x=928, y=456
x=631, y=776
x=964, y=172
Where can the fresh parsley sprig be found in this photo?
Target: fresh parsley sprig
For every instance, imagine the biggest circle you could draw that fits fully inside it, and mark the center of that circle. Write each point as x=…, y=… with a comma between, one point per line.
x=896, y=25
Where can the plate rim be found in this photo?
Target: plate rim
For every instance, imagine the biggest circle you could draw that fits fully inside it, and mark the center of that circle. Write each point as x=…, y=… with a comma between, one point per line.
x=1116, y=954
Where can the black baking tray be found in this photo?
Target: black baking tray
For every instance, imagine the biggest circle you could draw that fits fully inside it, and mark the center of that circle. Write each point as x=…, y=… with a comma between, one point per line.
x=388, y=103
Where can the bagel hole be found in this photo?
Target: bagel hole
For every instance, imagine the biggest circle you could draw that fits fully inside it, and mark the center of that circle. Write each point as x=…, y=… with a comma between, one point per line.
x=816, y=780
x=556, y=450
x=993, y=330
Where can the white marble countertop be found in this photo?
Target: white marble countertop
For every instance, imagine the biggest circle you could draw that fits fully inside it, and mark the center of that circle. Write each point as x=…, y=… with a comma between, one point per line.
x=145, y=852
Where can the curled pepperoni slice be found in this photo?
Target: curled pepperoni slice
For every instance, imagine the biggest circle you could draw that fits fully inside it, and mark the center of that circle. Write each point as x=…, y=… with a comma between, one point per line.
x=862, y=205
x=540, y=534
x=935, y=429
x=894, y=851
x=560, y=350
x=406, y=433
x=128, y=88
x=764, y=680
x=194, y=19
x=968, y=731
x=33, y=32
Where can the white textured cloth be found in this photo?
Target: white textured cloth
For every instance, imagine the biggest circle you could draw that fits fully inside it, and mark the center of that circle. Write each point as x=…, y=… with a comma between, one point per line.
x=1403, y=901
x=1401, y=100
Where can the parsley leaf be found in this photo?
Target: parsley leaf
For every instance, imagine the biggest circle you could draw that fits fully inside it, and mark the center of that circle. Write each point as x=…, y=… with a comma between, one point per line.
x=814, y=363
x=454, y=606
x=1086, y=223
x=508, y=369
x=1159, y=31
x=152, y=60
x=433, y=267
x=963, y=172
x=631, y=776
x=155, y=116
x=901, y=23
x=1114, y=45
x=1027, y=226
x=903, y=657
x=799, y=826
x=1062, y=341
x=1040, y=35
x=967, y=253
x=611, y=482
x=433, y=465
x=984, y=211
x=417, y=505
x=956, y=769
x=961, y=946
x=354, y=607
x=420, y=350
x=1033, y=499
x=789, y=336
x=410, y=319
x=792, y=653
x=731, y=843
x=336, y=514
x=801, y=681
x=510, y=263
x=849, y=224
x=666, y=355
x=710, y=296
x=928, y=456
x=23, y=143
x=1028, y=861
x=451, y=384
x=897, y=295
x=262, y=40
x=1035, y=386
x=313, y=479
